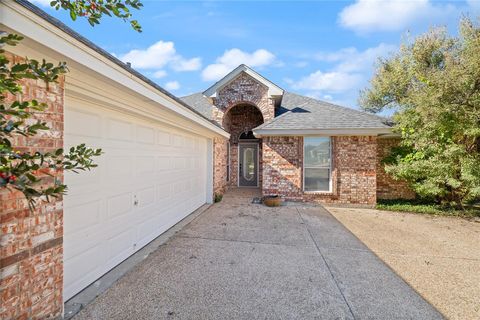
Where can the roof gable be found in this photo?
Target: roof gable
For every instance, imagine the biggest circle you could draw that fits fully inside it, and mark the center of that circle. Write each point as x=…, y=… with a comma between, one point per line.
x=273, y=89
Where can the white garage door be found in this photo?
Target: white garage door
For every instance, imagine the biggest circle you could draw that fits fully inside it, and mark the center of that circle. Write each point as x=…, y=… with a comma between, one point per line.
x=149, y=178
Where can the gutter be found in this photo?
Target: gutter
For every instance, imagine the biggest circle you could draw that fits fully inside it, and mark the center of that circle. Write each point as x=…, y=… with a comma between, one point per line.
x=322, y=132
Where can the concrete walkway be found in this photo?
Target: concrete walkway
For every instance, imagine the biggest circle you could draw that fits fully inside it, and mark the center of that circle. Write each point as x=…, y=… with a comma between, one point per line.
x=240, y=260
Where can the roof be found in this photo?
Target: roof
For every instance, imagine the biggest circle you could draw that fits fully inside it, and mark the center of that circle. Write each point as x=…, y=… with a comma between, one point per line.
x=299, y=112
x=273, y=89
x=200, y=103
x=60, y=25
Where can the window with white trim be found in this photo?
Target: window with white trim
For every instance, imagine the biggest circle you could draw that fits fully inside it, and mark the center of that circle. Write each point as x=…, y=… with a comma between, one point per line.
x=317, y=164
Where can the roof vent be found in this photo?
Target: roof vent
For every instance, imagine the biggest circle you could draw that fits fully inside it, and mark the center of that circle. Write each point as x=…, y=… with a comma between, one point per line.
x=129, y=64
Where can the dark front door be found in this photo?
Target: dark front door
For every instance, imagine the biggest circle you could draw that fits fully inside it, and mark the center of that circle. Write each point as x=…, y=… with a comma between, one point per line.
x=248, y=165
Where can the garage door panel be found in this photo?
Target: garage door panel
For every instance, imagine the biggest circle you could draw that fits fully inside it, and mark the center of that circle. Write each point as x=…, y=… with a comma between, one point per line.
x=119, y=167
x=146, y=197
x=83, y=216
x=145, y=135
x=83, y=179
x=163, y=138
x=119, y=204
x=81, y=272
x=177, y=140
x=149, y=178
x=151, y=228
x=163, y=192
x=78, y=120
x=120, y=245
x=164, y=163
x=120, y=130
x=145, y=165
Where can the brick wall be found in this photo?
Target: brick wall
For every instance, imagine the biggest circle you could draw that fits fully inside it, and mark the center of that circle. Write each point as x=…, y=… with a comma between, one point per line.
x=387, y=187
x=31, y=243
x=240, y=106
x=282, y=167
x=243, y=89
x=220, y=147
x=354, y=161
x=239, y=119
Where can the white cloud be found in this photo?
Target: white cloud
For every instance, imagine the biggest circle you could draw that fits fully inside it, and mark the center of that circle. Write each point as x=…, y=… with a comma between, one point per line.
x=159, y=74
x=335, y=56
x=234, y=57
x=351, y=68
x=187, y=64
x=172, y=85
x=329, y=81
x=364, y=60
x=390, y=15
x=160, y=55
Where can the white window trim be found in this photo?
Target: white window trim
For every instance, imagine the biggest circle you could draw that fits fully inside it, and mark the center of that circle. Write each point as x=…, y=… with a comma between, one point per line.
x=329, y=191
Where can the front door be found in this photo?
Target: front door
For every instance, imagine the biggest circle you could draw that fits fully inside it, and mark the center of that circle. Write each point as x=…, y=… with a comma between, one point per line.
x=248, y=165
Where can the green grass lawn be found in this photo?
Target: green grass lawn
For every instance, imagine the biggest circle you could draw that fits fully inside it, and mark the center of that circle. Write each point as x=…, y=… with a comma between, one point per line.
x=426, y=208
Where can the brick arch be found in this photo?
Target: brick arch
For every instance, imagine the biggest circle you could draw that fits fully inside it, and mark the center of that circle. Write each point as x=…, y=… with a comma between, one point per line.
x=243, y=89
x=240, y=117
x=235, y=104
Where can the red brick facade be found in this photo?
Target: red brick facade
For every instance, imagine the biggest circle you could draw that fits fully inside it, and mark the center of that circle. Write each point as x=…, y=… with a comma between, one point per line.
x=239, y=119
x=220, y=147
x=240, y=106
x=243, y=89
x=353, y=174
x=31, y=252
x=387, y=187
x=244, y=104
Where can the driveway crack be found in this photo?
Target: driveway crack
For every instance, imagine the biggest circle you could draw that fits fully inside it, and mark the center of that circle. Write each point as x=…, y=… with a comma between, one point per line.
x=326, y=263
x=234, y=240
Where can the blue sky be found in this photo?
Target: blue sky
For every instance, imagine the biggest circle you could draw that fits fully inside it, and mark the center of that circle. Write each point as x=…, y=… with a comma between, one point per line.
x=324, y=49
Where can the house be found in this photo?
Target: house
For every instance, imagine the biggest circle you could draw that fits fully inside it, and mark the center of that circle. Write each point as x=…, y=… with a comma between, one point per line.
x=295, y=146
x=164, y=157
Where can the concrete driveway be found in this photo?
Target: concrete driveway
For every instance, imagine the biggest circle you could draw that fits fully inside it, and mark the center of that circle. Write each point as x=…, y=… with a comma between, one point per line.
x=239, y=260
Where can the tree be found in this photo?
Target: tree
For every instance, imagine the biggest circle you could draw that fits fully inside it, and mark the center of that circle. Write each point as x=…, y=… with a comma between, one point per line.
x=34, y=174
x=433, y=84
x=93, y=10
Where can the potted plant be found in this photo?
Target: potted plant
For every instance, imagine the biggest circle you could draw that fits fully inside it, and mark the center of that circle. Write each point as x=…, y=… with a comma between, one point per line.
x=273, y=200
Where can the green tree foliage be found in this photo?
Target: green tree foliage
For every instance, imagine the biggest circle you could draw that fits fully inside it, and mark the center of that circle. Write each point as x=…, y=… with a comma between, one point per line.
x=35, y=174
x=433, y=84
x=94, y=10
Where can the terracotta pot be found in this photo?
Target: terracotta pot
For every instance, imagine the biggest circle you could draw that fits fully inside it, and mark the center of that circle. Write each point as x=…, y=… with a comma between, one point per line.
x=272, y=201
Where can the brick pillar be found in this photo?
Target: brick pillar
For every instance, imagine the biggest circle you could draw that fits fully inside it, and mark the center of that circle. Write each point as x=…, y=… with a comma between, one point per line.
x=220, y=147
x=31, y=242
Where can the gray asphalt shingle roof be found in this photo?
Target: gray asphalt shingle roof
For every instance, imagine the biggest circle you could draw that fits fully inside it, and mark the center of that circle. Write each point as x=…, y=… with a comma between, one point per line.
x=300, y=112
x=200, y=103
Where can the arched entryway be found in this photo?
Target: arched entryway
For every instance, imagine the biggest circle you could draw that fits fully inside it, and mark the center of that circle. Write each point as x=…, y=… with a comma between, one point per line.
x=245, y=151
